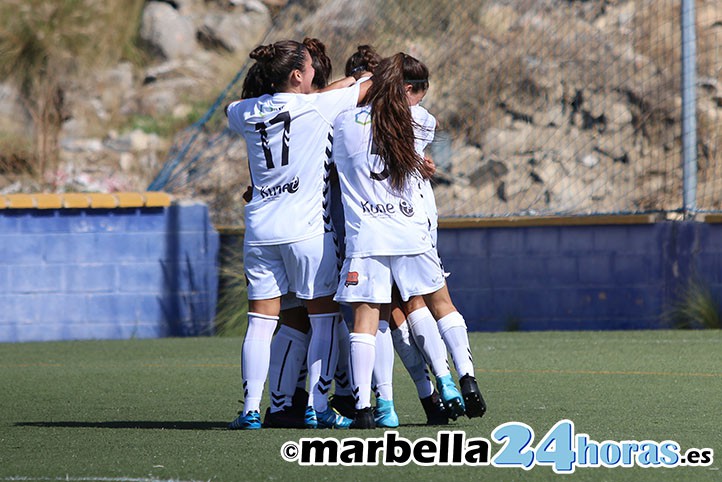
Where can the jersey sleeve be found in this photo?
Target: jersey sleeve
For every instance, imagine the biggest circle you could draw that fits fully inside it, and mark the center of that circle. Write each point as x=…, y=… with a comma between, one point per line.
x=330, y=104
x=234, y=112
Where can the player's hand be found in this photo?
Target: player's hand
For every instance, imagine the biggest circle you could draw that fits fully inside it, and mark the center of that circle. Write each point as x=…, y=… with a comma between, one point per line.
x=248, y=195
x=428, y=168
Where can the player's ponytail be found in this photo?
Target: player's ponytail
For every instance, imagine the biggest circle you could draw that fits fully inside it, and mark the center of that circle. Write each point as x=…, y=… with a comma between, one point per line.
x=391, y=121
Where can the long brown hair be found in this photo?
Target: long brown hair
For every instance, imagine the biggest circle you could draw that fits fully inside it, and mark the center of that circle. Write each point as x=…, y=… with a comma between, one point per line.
x=273, y=66
x=392, y=129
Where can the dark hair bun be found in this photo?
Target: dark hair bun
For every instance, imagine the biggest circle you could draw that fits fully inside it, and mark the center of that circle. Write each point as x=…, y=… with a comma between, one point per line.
x=263, y=53
x=314, y=46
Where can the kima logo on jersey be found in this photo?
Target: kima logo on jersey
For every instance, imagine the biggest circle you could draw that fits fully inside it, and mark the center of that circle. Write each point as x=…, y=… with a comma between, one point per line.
x=273, y=191
x=387, y=209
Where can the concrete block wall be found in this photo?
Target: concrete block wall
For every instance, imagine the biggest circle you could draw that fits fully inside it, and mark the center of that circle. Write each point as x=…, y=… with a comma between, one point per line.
x=591, y=273
x=107, y=273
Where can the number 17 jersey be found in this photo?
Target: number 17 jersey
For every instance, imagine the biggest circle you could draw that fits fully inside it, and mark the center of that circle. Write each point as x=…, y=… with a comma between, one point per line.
x=289, y=141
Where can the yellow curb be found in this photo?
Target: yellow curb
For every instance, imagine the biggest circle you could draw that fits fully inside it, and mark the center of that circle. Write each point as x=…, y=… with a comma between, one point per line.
x=129, y=199
x=156, y=199
x=48, y=201
x=102, y=201
x=20, y=201
x=75, y=200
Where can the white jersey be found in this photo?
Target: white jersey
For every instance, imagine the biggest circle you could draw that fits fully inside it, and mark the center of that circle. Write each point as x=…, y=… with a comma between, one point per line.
x=288, y=138
x=424, y=133
x=379, y=220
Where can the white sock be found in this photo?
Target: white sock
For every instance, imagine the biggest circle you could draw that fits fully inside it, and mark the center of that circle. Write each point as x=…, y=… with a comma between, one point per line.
x=341, y=377
x=412, y=359
x=288, y=353
x=427, y=338
x=255, y=358
x=384, y=362
x=363, y=348
x=303, y=372
x=453, y=330
x=322, y=358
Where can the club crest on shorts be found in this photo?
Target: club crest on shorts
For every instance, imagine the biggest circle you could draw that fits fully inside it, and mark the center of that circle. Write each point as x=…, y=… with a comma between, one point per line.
x=351, y=278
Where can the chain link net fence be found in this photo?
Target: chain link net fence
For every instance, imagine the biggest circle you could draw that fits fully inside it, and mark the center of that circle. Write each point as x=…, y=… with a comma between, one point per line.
x=545, y=107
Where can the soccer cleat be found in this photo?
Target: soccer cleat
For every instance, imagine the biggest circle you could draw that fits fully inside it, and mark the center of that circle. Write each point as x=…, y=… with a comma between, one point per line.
x=385, y=415
x=309, y=418
x=344, y=404
x=475, y=404
x=364, y=419
x=248, y=421
x=332, y=419
x=286, y=418
x=450, y=396
x=434, y=409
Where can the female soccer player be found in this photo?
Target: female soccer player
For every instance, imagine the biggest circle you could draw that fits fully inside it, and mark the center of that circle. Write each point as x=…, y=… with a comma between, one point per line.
x=443, y=318
x=288, y=244
x=379, y=169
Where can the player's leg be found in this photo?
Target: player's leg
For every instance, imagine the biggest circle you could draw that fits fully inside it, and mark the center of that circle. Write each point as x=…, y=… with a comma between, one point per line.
x=384, y=413
x=363, y=356
x=415, y=365
x=266, y=282
x=365, y=284
x=342, y=399
x=452, y=327
x=316, y=281
x=415, y=276
x=288, y=354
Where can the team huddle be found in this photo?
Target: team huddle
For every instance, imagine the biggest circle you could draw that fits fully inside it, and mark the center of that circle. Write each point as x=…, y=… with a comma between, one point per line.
x=341, y=232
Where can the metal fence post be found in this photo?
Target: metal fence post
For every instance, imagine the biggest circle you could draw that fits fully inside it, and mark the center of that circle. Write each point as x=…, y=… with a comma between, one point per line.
x=689, y=120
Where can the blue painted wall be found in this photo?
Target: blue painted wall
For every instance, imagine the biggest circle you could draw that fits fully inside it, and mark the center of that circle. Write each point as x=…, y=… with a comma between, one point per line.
x=578, y=277
x=68, y=274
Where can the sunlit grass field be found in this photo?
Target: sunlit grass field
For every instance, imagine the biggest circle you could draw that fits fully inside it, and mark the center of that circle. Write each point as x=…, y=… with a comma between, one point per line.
x=147, y=410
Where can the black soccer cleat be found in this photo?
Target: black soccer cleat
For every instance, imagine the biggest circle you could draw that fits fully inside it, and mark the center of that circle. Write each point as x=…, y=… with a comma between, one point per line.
x=473, y=400
x=364, y=419
x=344, y=404
x=286, y=418
x=434, y=409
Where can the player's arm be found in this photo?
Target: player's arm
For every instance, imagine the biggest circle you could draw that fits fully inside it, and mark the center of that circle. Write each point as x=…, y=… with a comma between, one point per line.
x=346, y=81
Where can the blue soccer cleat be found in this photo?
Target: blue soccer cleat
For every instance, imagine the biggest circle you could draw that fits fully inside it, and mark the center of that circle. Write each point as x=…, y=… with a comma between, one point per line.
x=385, y=415
x=450, y=396
x=248, y=421
x=309, y=418
x=332, y=419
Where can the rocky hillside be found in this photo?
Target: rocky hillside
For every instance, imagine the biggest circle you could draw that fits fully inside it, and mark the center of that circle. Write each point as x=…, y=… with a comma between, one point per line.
x=546, y=106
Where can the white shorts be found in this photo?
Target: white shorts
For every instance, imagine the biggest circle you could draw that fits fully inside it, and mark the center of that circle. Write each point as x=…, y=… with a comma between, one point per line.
x=370, y=279
x=309, y=268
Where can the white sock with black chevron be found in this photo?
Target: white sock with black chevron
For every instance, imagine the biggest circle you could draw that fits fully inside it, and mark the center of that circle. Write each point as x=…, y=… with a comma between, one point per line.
x=288, y=352
x=384, y=362
x=453, y=330
x=363, y=354
x=342, y=383
x=255, y=358
x=412, y=360
x=322, y=358
x=427, y=338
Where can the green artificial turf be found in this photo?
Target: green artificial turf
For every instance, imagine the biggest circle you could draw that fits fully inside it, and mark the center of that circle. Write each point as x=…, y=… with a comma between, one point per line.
x=157, y=409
